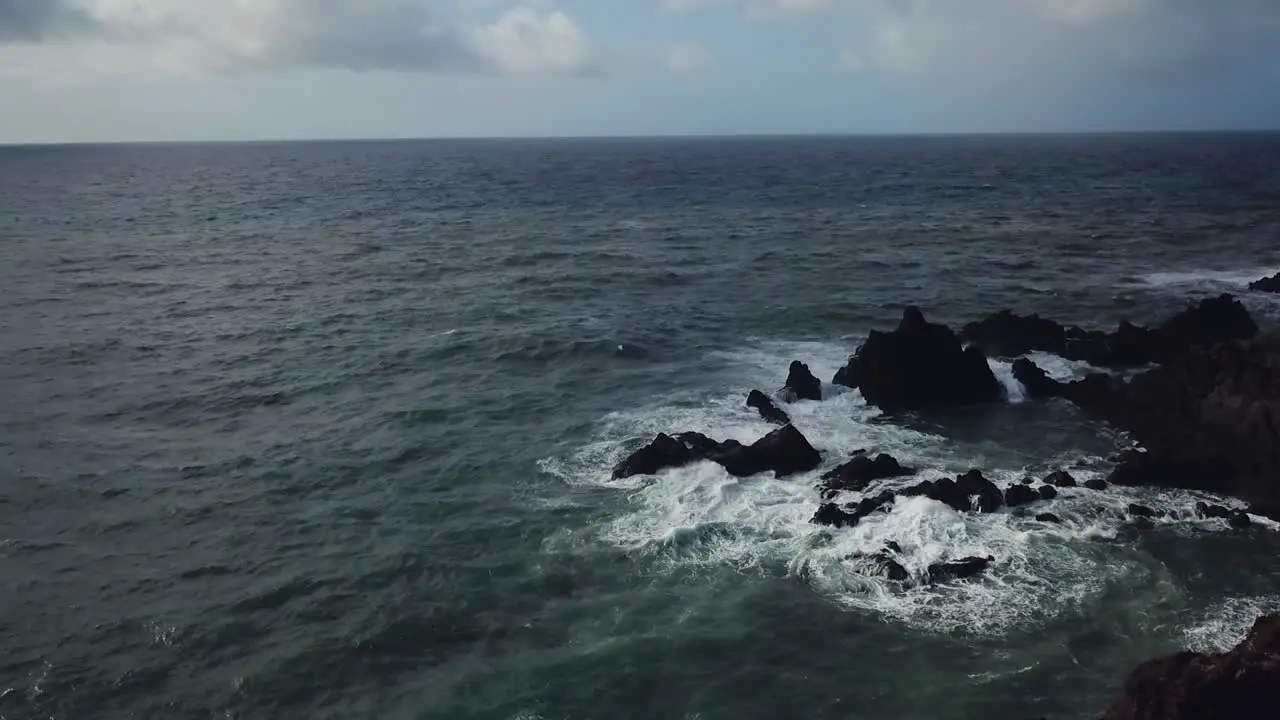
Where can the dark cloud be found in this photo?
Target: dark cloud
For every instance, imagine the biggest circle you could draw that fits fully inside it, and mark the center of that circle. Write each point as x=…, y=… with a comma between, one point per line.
x=41, y=20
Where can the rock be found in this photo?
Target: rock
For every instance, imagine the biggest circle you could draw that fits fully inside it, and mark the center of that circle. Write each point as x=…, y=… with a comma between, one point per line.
x=1005, y=334
x=894, y=547
x=1048, y=492
x=922, y=365
x=1095, y=484
x=1028, y=480
x=1212, y=511
x=1020, y=495
x=664, y=452
x=835, y=516
x=1242, y=684
x=1144, y=523
x=958, y=570
x=1240, y=520
x=767, y=409
x=890, y=566
x=1143, y=468
x=1037, y=381
x=1061, y=478
x=802, y=382
x=1267, y=284
x=784, y=451
x=1209, y=322
x=1049, y=518
x=959, y=494
x=860, y=472
x=1137, y=510
x=850, y=375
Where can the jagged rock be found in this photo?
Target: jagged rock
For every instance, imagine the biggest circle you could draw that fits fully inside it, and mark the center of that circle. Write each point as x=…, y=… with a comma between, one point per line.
x=802, y=383
x=959, y=494
x=1006, y=334
x=1242, y=684
x=1267, y=284
x=1137, y=510
x=1095, y=484
x=767, y=409
x=1210, y=321
x=850, y=375
x=860, y=472
x=1048, y=492
x=784, y=451
x=664, y=452
x=1020, y=495
x=1028, y=480
x=1240, y=520
x=890, y=566
x=1212, y=511
x=922, y=365
x=1037, y=381
x=1061, y=478
x=1049, y=518
x=958, y=570
x=836, y=516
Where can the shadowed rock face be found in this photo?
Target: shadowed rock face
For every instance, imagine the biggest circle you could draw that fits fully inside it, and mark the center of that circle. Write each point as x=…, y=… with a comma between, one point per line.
x=1268, y=284
x=919, y=365
x=802, y=383
x=1243, y=684
x=767, y=409
x=1208, y=322
x=784, y=451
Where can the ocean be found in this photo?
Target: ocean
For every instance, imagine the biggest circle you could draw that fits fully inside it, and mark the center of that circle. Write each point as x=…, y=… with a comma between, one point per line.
x=325, y=430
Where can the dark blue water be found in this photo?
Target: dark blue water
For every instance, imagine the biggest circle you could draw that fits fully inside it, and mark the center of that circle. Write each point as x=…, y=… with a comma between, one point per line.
x=325, y=430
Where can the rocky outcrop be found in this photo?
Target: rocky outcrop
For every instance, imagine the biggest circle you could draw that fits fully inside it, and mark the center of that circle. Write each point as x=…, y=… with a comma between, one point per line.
x=784, y=451
x=958, y=570
x=801, y=382
x=1242, y=684
x=767, y=409
x=850, y=375
x=1020, y=495
x=967, y=492
x=860, y=472
x=1208, y=322
x=921, y=365
x=849, y=515
x=1267, y=284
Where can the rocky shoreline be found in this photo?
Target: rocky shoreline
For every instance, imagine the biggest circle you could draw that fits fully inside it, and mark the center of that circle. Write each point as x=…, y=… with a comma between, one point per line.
x=1203, y=408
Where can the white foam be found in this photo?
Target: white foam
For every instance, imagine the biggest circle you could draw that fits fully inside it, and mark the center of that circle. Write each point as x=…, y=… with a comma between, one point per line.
x=1225, y=625
x=1014, y=392
x=1060, y=368
x=1209, y=279
x=701, y=515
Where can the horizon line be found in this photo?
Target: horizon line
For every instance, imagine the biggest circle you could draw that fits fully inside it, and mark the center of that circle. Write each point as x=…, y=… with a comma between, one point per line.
x=667, y=136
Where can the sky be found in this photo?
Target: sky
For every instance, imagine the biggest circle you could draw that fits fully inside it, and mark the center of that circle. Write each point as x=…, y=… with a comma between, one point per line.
x=172, y=70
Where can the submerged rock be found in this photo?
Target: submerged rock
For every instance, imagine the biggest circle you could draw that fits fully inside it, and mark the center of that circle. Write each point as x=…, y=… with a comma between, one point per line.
x=767, y=409
x=1137, y=510
x=1049, y=518
x=1242, y=684
x=922, y=365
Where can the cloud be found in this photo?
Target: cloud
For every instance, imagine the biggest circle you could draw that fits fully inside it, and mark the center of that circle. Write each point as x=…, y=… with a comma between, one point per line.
x=685, y=59
x=240, y=35
x=753, y=9
x=40, y=20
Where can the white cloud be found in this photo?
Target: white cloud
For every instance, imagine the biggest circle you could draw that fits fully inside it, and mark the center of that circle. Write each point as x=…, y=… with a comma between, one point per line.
x=237, y=35
x=524, y=40
x=684, y=59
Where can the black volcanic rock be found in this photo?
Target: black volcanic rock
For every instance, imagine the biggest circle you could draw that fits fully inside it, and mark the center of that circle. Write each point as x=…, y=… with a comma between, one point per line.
x=1060, y=478
x=767, y=409
x=958, y=570
x=1267, y=284
x=922, y=365
x=1095, y=484
x=1037, y=381
x=801, y=382
x=1242, y=684
x=836, y=516
x=1008, y=335
x=1048, y=492
x=1049, y=518
x=1020, y=495
x=960, y=494
x=850, y=375
x=1137, y=510
x=784, y=451
x=860, y=472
